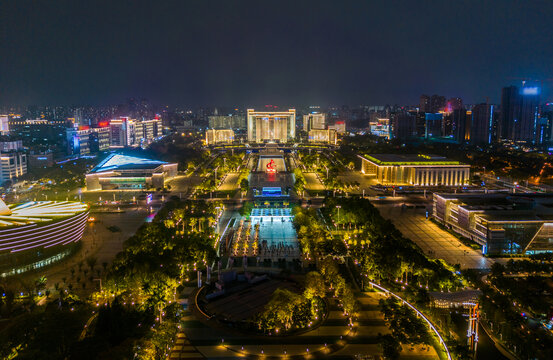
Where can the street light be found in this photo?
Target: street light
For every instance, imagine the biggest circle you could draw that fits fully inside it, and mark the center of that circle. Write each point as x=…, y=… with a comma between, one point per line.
x=338, y=207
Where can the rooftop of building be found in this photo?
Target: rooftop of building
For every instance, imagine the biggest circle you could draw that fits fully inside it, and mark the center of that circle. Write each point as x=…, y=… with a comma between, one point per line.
x=37, y=211
x=126, y=162
x=503, y=207
x=410, y=159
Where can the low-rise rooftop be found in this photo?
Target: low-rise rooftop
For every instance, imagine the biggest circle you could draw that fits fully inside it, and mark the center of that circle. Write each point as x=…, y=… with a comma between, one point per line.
x=125, y=162
x=410, y=159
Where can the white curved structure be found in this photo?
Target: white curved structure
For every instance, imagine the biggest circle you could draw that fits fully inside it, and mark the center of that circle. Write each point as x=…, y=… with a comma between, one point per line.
x=428, y=322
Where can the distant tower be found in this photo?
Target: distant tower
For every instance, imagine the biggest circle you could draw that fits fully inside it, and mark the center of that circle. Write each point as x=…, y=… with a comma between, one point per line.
x=481, y=129
x=519, y=113
x=424, y=104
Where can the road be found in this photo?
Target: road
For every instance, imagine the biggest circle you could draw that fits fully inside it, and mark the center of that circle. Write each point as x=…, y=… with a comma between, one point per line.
x=434, y=241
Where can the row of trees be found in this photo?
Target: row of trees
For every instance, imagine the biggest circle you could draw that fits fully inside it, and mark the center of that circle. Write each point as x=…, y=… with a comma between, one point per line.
x=314, y=238
x=381, y=251
x=405, y=325
x=328, y=170
x=156, y=262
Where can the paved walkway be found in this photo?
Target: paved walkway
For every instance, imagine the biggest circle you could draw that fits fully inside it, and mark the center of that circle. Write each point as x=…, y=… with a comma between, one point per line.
x=182, y=348
x=229, y=183
x=333, y=339
x=434, y=241
x=312, y=182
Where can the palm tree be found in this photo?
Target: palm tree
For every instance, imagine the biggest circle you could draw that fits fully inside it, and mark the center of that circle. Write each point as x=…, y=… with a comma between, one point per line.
x=91, y=262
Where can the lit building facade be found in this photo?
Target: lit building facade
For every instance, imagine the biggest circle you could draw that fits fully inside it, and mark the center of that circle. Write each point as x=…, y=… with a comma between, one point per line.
x=381, y=128
x=87, y=141
x=500, y=223
x=415, y=170
x=127, y=132
x=12, y=165
x=235, y=122
x=129, y=172
x=4, y=125
x=11, y=145
x=339, y=126
x=121, y=132
x=38, y=233
x=223, y=136
x=322, y=136
x=314, y=121
x=271, y=126
x=146, y=131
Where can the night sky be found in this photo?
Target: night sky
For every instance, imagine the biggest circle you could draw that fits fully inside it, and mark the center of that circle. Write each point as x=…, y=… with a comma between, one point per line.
x=246, y=53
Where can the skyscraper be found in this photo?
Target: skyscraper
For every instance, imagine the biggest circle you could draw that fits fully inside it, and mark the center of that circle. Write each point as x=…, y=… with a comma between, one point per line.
x=437, y=103
x=4, y=125
x=519, y=113
x=424, y=103
x=461, y=125
x=314, y=121
x=481, y=124
x=433, y=125
x=271, y=125
x=454, y=104
x=403, y=125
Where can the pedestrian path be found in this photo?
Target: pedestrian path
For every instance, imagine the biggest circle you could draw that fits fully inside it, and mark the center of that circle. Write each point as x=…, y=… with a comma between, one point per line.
x=183, y=349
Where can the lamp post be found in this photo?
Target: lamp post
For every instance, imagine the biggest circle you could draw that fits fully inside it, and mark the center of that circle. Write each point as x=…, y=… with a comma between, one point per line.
x=338, y=207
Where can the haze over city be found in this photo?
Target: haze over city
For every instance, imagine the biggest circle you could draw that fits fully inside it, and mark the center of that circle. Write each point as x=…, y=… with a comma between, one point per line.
x=289, y=53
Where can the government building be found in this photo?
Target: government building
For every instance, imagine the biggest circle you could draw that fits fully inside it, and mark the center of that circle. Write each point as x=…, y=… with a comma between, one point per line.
x=415, y=170
x=501, y=223
x=271, y=126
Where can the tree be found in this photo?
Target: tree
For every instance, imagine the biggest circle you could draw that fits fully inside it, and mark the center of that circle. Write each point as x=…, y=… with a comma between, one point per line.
x=314, y=285
x=391, y=348
x=244, y=185
x=91, y=262
x=497, y=269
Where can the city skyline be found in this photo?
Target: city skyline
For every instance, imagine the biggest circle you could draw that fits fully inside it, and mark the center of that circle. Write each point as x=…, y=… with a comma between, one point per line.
x=246, y=53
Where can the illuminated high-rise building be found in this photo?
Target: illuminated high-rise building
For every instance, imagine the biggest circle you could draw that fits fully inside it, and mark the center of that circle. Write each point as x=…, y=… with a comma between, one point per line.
x=12, y=166
x=314, y=121
x=519, y=113
x=271, y=126
x=235, y=122
x=121, y=132
x=4, y=125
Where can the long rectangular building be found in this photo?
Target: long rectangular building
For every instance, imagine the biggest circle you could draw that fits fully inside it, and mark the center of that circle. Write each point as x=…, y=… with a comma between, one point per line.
x=500, y=223
x=415, y=170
